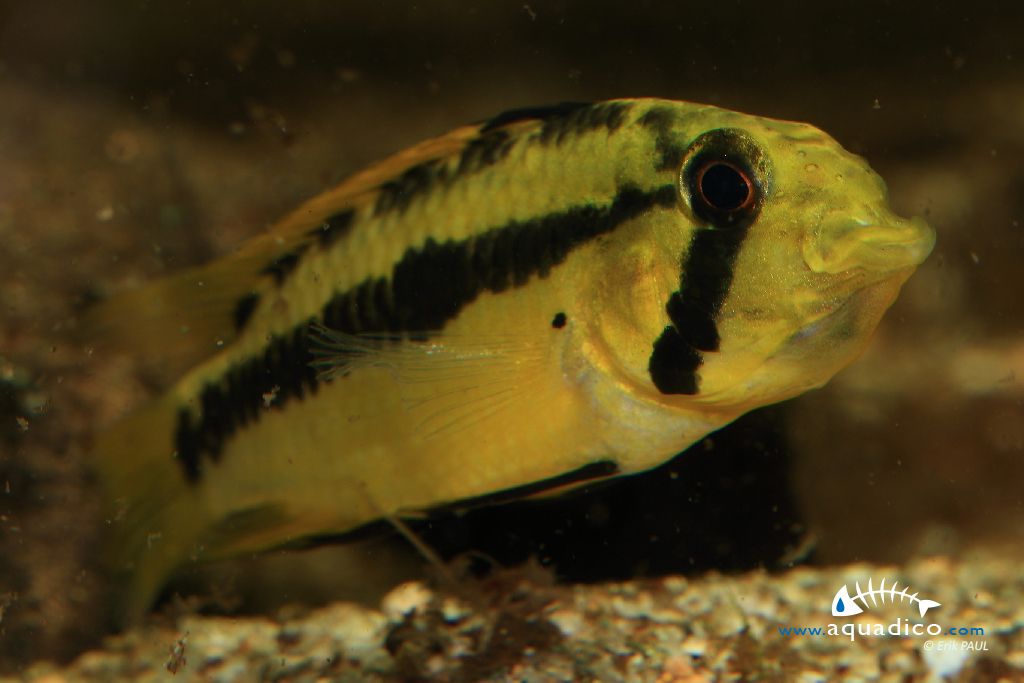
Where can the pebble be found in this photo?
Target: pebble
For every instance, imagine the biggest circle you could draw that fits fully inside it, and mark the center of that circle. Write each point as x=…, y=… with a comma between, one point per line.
x=406, y=598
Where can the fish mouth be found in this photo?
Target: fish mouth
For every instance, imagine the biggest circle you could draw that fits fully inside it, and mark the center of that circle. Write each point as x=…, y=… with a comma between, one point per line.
x=823, y=342
x=812, y=354
x=868, y=301
x=876, y=246
x=813, y=328
x=826, y=321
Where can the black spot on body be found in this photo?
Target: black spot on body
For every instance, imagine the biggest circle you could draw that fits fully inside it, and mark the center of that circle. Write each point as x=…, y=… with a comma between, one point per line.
x=558, y=322
x=428, y=287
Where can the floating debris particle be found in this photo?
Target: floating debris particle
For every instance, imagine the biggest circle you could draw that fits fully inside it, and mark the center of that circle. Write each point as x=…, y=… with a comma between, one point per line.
x=177, y=660
x=270, y=396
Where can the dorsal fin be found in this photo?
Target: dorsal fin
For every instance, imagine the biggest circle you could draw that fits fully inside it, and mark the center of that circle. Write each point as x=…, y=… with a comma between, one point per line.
x=364, y=187
x=180, y=320
x=176, y=322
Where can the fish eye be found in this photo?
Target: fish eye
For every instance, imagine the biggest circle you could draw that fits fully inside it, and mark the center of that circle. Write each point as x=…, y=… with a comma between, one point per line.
x=723, y=186
x=723, y=178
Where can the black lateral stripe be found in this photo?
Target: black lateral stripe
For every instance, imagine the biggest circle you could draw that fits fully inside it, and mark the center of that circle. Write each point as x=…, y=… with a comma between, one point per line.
x=500, y=258
x=280, y=374
x=428, y=287
x=706, y=277
x=415, y=299
x=244, y=309
x=283, y=266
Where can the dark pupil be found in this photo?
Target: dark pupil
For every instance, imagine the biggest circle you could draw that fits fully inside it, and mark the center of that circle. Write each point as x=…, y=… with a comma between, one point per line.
x=723, y=187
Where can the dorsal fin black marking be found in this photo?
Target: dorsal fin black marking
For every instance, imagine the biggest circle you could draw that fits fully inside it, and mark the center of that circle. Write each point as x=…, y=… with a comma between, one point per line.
x=541, y=113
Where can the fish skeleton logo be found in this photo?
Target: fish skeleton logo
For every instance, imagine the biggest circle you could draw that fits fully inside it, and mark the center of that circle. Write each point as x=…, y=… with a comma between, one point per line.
x=845, y=605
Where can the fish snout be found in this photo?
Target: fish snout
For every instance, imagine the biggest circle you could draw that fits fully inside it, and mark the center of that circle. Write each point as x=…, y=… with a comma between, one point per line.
x=882, y=246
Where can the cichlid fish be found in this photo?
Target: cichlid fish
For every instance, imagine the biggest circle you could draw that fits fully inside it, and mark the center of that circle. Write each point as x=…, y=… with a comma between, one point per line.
x=548, y=297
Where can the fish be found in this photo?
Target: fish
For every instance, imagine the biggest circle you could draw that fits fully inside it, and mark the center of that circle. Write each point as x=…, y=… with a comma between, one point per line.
x=537, y=301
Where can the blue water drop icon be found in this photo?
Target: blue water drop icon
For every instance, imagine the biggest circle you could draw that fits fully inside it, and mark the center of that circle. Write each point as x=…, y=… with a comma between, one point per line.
x=840, y=607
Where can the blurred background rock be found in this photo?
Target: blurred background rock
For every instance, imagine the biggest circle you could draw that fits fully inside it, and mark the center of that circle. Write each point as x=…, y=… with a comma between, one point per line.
x=140, y=137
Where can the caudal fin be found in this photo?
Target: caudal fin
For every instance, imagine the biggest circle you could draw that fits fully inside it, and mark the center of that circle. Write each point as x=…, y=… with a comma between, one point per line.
x=155, y=520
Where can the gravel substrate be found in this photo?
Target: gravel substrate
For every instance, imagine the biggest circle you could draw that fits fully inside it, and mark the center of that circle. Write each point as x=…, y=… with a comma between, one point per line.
x=517, y=627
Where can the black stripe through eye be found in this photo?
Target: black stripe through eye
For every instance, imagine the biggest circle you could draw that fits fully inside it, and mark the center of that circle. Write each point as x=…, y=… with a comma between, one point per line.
x=722, y=179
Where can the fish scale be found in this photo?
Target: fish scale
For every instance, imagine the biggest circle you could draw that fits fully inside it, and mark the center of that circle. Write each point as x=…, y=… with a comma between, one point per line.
x=552, y=295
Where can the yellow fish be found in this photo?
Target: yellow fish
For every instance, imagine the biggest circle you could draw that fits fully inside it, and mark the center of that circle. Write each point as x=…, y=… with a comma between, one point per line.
x=551, y=296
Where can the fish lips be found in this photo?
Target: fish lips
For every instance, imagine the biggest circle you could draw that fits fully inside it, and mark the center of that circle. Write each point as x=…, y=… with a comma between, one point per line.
x=882, y=247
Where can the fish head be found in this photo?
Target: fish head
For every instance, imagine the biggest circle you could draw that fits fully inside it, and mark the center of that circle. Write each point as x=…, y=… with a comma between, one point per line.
x=771, y=273
x=819, y=265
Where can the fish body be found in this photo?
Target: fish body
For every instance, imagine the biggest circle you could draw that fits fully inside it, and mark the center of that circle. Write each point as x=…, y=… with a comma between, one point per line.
x=530, y=302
